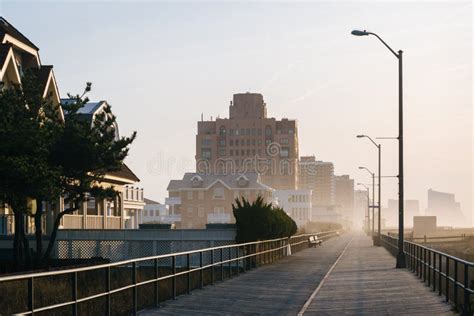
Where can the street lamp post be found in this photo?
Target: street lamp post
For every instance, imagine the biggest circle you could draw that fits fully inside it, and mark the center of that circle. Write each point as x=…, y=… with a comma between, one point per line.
x=379, y=147
x=401, y=262
x=373, y=201
x=368, y=206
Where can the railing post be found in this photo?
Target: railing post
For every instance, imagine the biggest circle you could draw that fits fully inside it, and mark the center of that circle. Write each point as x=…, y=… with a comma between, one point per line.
x=74, y=293
x=135, y=290
x=230, y=262
x=237, y=255
x=108, y=288
x=456, y=284
x=447, y=279
x=467, y=303
x=31, y=295
x=201, y=271
x=188, y=275
x=173, y=285
x=157, y=287
x=440, y=276
x=222, y=264
x=429, y=267
x=212, y=266
x=434, y=271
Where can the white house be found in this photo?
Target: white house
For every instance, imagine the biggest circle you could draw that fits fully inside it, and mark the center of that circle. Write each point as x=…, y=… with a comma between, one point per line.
x=296, y=203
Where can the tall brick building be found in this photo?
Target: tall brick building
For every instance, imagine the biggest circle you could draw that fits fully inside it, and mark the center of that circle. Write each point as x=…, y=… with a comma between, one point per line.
x=317, y=176
x=249, y=141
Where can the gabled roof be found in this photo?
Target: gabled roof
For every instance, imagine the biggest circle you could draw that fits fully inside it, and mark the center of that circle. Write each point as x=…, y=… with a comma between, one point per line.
x=124, y=173
x=148, y=201
x=7, y=28
x=230, y=181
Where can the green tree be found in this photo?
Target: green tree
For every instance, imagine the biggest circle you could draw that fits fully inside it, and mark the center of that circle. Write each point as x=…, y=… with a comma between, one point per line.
x=259, y=220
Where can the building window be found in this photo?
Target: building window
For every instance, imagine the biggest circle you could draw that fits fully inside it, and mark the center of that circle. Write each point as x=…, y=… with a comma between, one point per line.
x=219, y=210
x=242, y=132
x=242, y=152
x=222, y=131
x=237, y=132
x=231, y=152
x=236, y=152
x=218, y=194
x=190, y=209
x=152, y=213
x=268, y=141
x=254, y=131
x=284, y=141
x=248, y=142
x=206, y=153
x=254, y=142
x=247, y=131
x=206, y=142
x=284, y=152
x=248, y=152
x=221, y=152
x=268, y=130
x=236, y=142
x=259, y=131
x=145, y=212
x=291, y=131
x=222, y=142
x=189, y=195
x=259, y=142
x=201, y=195
x=231, y=142
x=231, y=132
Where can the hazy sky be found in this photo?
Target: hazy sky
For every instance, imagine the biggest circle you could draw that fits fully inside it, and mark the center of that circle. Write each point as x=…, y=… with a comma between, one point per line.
x=162, y=64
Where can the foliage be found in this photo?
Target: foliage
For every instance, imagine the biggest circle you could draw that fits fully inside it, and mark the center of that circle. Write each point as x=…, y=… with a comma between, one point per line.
x=44, y=157
x=259, y=220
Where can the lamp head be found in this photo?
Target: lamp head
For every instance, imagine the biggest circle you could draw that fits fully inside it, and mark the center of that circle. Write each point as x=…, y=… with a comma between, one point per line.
x=359, y=33
x=360, y=136
x=361, y=168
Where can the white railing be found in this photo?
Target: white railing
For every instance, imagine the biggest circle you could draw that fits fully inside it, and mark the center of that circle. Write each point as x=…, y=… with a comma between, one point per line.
x=94, y=222
x=72, y=221
x=218, y=218
x=113, y=222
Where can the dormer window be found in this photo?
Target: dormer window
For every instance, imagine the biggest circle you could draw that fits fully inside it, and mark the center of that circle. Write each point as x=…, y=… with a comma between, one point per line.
x=196, y=181
x=242, y=181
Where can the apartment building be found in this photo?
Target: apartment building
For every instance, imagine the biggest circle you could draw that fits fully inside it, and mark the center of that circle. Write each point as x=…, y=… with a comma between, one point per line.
x=200, y=199
x=249, y=141
x=317, y=176
x=296, y=203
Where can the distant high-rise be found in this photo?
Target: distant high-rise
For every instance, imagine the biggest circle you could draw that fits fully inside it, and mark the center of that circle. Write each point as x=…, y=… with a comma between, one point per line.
x=445, y=208
x=412, y=208
x=317, y=176
x=249, y=141
x=345, y=195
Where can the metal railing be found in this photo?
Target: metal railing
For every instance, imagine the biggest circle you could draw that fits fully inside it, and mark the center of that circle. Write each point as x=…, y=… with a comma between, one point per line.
x=195, y=267
x=446, y=274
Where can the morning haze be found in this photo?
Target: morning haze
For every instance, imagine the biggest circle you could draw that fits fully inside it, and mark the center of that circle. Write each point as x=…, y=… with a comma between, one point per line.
x=162, y=65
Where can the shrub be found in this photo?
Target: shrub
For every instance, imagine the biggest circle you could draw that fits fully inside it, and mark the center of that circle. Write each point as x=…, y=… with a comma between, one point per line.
x=259, y=220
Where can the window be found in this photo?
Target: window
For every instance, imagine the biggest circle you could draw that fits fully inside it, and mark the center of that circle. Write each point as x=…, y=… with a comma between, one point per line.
x=242, y=152
x=232, y=132
x=236, y=152
x=152, y=213
x=231, y=142
x=259, y=131
x=222, y=142
x=254, y=152
x=236, y=142
x=145, y=212
x=218, y=194
x=268, y=130
x=248, y=142
x=284, y=152
x=237, y=132
x=254, y=142
x=189, y=195
x=222, y=131
x=268, y=141
x=259, y=152
x=231, y=152
x=248, y=152
x=201, y=195
x=259, y=142
x=291, y=131
x=190, y=209
x=219, y=210
x=206, y=142
x=247, y=131
x=221, y=152
x=284, y=141
x=206, y=153
x=254, y=131
x=242, y=131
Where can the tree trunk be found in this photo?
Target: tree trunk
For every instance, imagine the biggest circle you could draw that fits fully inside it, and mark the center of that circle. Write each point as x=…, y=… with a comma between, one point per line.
x=39, y=231
x=57, y=222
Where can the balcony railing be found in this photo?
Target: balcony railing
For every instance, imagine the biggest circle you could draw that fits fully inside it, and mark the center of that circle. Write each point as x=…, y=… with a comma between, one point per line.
x=92, y=222
x=133, y=194
x=218, y=218
x=72, y=222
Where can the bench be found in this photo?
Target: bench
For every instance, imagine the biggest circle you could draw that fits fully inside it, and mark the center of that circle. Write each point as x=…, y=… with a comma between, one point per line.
x=314, y=241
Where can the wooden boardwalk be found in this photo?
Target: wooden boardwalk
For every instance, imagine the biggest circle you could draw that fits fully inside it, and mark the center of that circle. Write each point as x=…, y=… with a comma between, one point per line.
x=363, y=282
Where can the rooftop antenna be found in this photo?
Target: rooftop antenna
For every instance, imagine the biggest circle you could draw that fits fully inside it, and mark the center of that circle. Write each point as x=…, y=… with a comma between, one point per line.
x=202, y=117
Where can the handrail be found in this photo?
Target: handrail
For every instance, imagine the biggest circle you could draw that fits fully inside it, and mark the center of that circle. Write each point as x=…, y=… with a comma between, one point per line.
x=247, y=256
x=433, y=267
